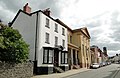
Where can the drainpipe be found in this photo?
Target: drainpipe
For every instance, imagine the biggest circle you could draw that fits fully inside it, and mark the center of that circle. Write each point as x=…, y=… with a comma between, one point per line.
x=36, y=36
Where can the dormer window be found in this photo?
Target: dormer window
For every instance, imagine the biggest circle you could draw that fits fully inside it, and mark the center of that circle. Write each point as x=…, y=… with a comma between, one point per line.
x=47, y=23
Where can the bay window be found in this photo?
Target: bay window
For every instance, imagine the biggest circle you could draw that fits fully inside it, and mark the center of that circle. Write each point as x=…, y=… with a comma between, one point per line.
x=47, y=55
x=64, y=57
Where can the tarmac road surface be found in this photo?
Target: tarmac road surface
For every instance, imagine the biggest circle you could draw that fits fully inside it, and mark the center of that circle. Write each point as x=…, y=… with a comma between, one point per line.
x=110, y=71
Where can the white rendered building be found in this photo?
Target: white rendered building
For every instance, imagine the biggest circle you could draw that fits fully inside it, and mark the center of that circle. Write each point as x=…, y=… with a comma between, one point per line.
x=47, y=38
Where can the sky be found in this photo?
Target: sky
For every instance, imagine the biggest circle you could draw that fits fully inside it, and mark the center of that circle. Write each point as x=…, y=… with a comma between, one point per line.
x=101, y=17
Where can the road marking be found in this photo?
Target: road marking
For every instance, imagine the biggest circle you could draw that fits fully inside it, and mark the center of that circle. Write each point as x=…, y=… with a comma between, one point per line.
x=113, y=76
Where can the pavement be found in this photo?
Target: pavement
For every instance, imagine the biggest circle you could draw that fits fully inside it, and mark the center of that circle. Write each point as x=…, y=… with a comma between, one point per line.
x=62, y=75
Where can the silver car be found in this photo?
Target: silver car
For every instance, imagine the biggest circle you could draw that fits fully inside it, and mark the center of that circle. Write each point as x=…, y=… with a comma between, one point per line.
x=95, y=65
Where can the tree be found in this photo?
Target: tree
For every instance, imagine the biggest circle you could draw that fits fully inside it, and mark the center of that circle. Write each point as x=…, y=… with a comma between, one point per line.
x=12, y=46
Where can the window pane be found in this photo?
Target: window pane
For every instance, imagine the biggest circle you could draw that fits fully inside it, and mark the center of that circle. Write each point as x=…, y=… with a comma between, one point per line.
x=50, y=60
x=56, y=27
x=45, y=56
x=66, y=56
x=47, y=38
x=63, y=43
x=51, y=53
x=62, y=57
x=56, y=41
x=70, y=39
x=47, y=22
x=46, y=52
x=50, y=56
x=63, y=31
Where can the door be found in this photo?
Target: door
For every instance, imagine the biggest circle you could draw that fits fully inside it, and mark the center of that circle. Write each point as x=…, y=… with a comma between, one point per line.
x=74, y=58
x=56, y=57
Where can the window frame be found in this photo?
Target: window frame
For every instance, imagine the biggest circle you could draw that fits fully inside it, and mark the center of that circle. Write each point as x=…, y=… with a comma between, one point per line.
x=64, y=59
x=70, y=38
x=56, y=28
x=63, y=43
x=47, y=23
x=56, y=40
x=47, y=38
x=48, y=56
x=63, y=31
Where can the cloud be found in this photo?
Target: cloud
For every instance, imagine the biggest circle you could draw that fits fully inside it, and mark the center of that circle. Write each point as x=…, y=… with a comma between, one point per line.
x=5, y=14
x=115, y=21
x=52, y=4
x=10, y=7
x=115, y=25
x=116, y=35
x=113, y=52
x=105, y=31
x=103, y=22
x=94, y=23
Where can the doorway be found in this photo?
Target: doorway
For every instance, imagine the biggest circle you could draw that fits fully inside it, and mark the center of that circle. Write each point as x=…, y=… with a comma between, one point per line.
x=74, y=57
x=56, y=57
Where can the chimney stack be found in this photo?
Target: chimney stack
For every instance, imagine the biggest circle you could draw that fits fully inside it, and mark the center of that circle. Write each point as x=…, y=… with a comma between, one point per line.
x=27, y=9
x=47, y=11
x=105, y=50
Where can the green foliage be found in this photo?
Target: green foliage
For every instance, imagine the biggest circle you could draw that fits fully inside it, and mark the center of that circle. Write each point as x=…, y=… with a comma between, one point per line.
x=12, y=46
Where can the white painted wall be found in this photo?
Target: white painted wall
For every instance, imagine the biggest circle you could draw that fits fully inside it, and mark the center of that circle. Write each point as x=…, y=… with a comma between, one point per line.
x=52, y=33
x=27, y=26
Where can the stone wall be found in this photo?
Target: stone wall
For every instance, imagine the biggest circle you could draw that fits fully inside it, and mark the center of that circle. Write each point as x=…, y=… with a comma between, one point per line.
x=24, y=70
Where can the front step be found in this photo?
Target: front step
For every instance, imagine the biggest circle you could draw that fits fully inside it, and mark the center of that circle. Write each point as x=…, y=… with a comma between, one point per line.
x=76, y=67
x=58, y=70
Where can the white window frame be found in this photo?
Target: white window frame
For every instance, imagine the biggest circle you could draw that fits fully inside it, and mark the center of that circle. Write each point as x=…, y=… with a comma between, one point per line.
x=47, y=38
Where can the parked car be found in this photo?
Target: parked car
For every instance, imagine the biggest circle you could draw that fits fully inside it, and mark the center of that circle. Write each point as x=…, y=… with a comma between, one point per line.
x=104, y=63
x=108, y=63
x=117, y=62
x=101, y=64
x=95, y=65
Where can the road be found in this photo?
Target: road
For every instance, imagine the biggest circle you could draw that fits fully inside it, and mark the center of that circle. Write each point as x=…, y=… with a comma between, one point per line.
x=110, y=71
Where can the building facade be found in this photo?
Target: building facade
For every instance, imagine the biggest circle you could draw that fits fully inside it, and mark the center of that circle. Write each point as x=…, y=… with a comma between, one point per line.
x=73, y=50
x=47, y=39
x=82, y=39
x=97, y=56
x=105, y=55
x=79, y=48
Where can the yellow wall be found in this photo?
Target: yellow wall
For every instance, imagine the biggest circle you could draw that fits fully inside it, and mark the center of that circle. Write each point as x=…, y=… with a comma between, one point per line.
x=79, y=39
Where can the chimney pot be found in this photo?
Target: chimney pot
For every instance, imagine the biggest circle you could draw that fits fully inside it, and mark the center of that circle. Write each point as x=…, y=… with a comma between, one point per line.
x=27, y=9
x=47, y=11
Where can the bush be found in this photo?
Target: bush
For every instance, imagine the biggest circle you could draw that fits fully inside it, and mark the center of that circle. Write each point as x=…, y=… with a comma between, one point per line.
x=12, y=46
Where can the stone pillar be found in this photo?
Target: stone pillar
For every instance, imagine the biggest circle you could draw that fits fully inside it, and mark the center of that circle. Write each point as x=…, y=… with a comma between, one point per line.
x=71, y=56
x=76, y=57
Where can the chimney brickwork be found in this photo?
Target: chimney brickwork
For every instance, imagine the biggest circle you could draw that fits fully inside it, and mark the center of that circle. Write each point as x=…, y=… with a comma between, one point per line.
x=47, y=11
x=27, y=9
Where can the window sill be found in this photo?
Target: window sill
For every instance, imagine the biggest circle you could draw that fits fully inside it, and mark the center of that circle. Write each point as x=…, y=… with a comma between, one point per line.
x=56, y=31
x=47, y=42
x=47, y=26
x=47, y=63
x=63, y=34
